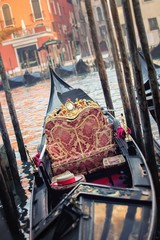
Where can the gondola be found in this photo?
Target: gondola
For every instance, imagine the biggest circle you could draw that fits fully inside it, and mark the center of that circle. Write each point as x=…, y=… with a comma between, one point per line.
x=27, y=79
x=32, y=78
x=79, y=68
x=14, y=82
x=91, y=180
x=145, y=76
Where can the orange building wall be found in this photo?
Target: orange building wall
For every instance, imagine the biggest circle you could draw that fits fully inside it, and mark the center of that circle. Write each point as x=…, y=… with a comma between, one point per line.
x=21, y=9
x=8, y=56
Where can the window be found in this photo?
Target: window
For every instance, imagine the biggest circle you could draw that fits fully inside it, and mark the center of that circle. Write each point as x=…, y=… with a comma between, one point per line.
x=123, y=26
x=103, y=46
x=103, y=31
x=53, y=27
x=59, y=9
x=153, y=24
x=54, y=7
x=81, y=17
x=36, y=9
x=60, y=29
x=71, y=18
x=64, y=28
x=119, y=3
x=7, y=15
x=99, y=13
x=28, y=56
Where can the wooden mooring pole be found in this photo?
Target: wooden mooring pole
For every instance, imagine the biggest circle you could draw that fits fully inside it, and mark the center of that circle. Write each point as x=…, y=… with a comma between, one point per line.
x=10, y=209
x=12, y=112
x=144, y=113
x=118, y=68
x=9, y=164
x=100, y=62
x=127, y=76
x=151, y=70
x=9, y=150
x=146, y=126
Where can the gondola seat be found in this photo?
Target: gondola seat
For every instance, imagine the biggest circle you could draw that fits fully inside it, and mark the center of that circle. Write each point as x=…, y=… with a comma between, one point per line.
x=79, y=141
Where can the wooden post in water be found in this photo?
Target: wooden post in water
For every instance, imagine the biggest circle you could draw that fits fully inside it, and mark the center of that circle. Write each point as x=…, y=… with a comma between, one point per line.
x=151, y=70
x=12, y=112
x=120, y=77
x=128, y=76
x=10, y=208
x=9, y=150
x=147, y=133
x=100, y=62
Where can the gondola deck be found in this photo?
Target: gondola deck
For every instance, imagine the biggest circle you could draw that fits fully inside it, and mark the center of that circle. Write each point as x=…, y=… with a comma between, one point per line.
x=114, y=199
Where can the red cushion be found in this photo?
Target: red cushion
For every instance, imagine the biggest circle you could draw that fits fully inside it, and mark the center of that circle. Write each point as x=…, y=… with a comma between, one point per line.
x=79, y=145
x=89, y=164
x=103, y=136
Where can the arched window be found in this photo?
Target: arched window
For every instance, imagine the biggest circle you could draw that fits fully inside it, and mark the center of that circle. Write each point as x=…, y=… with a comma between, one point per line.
x=103, y=46
x=7, y=15
x=81, y=16
x=36, y=9
x=99, y=13
x=119, y=3
x=103, y=31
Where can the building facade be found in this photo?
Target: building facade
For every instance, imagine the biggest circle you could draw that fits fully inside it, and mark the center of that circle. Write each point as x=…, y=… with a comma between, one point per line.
x=86, y=45
x=65, y=25
x=32, y=24
x=151, y=17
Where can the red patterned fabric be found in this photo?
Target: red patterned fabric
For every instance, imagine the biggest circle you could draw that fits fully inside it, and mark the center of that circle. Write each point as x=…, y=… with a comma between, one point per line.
x=85, y=165
x=79, y=145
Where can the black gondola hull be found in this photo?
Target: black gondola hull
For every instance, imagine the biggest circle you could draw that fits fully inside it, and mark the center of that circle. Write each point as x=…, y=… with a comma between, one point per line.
x=117, y=201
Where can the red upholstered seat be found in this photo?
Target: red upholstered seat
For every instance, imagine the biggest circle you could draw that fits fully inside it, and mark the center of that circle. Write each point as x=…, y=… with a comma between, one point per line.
x=80, y=144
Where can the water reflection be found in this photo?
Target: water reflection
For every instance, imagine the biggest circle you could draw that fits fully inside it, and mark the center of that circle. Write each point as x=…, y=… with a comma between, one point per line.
x=25, y=171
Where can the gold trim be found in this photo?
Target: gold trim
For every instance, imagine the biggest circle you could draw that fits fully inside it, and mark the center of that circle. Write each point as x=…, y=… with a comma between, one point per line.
x=78, y=106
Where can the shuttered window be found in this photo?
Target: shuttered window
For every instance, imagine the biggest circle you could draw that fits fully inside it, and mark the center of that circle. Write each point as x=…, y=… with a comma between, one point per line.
x=153, y=24
x=99, y=13
x=119, y=3
x=7, y=15
x=123, y=26
x=36, y=9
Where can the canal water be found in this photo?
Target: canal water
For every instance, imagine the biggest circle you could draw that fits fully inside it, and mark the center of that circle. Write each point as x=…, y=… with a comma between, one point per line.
x=31, y=104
